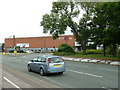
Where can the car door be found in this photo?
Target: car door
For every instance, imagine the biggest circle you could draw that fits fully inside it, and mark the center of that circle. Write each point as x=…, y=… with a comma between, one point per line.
x=43, y=63
x=37, y=64
x=34, y=63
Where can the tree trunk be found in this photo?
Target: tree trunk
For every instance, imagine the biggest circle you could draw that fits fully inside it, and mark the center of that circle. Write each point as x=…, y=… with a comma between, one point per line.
x=104, y=47
x=84, y=49
x=114, y=49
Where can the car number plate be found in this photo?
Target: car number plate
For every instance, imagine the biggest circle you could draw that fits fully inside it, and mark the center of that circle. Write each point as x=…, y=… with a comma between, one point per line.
x=57, y=65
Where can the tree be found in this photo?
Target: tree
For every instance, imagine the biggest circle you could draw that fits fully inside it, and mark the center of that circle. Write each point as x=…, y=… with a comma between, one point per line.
x=2, y=47
x=113, y=30
x=106, y=19
x=67, y=14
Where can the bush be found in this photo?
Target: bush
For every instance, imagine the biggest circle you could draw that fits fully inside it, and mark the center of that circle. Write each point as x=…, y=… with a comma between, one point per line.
x=118, y=53
x=21, y=51
x=94, y=51
x=109, y=50
x=62, y=53
x=80, y=52
x=11, y=51
x=66, y=48
x=91, y=51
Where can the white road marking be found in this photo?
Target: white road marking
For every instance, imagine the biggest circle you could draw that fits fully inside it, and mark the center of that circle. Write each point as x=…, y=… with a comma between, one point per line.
x=104, y=87
x=109, y=69
x=78, y=65
x=86, y=73
x=12, y=83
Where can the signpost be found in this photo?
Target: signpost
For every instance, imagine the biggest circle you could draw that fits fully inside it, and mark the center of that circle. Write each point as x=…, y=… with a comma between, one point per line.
x=66, y=38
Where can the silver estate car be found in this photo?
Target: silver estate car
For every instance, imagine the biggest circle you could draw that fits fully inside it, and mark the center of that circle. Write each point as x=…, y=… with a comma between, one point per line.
x=47, y=64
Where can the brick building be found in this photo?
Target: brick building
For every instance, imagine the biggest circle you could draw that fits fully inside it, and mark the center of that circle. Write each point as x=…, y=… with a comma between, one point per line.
x=38, y=43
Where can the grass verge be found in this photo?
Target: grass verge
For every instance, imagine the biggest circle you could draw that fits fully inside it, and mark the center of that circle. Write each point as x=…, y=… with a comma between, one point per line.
x=91, y=56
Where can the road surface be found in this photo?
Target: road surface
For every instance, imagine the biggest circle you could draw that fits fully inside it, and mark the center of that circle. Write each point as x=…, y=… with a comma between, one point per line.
x=77, y=75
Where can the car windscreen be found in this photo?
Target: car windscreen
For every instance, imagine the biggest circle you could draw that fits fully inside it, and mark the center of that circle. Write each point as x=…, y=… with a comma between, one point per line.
x=56, y=59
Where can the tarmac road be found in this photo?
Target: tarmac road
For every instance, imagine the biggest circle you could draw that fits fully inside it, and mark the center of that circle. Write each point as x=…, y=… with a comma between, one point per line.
x=77, y=75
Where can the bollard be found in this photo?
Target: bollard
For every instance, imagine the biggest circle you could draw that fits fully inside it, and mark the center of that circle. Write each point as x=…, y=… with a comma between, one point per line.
x=15, y=52
x=3, y=53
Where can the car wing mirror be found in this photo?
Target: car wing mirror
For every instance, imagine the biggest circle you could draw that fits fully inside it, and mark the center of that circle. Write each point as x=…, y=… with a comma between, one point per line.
x=31, y=60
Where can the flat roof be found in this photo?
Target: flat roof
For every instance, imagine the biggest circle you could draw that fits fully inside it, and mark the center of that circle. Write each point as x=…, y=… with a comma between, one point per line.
x=37, y=36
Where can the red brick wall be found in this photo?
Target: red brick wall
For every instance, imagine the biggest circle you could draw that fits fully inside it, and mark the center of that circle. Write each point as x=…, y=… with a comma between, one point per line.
x=40, y=42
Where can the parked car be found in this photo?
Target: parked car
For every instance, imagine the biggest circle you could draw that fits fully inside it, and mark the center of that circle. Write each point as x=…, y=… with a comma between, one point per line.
x=27, y=51
x=47, y=64
x=21, y=51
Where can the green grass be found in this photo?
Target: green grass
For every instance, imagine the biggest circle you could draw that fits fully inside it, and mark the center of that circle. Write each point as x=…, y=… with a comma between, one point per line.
x=96, y=56
x=92, y=56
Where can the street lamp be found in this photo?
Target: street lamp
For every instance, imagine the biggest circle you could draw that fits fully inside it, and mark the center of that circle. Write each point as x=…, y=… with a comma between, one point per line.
x=13, y=41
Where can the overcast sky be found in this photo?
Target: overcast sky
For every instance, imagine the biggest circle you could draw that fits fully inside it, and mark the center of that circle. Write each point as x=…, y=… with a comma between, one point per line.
x=22, y=17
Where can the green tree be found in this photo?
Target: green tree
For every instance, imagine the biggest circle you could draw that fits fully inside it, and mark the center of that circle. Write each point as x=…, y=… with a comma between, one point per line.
x=67, y=14
x=100, y=22
x=113, y=30
x=106, y=19
x=2, y=47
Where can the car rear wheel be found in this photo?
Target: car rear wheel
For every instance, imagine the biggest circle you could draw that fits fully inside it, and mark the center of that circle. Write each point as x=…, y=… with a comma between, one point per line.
x=29, y=68
x=42, y=72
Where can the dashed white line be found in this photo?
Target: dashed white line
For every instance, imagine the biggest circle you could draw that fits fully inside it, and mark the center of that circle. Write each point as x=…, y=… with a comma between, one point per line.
x=109, y=69
x=78, y=65
x=12, y=83
x=86, y=73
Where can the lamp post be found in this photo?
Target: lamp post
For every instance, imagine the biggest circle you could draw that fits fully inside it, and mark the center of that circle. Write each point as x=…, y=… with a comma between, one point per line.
x=13, y=41
x=45, y=45
x=66, y=38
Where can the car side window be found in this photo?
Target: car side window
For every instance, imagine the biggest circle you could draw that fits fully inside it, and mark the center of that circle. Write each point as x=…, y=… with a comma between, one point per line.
x=39, y=59
x=35, y=59
x=43, y=59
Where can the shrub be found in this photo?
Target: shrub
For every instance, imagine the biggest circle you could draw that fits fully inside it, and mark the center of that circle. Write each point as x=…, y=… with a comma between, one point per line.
x=65, y=48
x=11, y=51
x=91, y=51
x=118, y=53
x=109, y=50
x=62, y=53
x=112, y=51
x=21, y=51
x=94, y=51
x=80, y=52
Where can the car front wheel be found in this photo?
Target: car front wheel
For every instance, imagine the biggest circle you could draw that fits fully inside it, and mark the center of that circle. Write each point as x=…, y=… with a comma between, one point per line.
x=29, y=68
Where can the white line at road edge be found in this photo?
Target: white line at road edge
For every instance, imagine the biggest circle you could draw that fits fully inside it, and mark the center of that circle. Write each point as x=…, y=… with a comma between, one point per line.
x=86, y=73
x=11, y=83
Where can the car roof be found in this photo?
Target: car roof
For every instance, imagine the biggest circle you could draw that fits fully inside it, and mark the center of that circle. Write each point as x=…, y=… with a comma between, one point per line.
x=50, y=56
